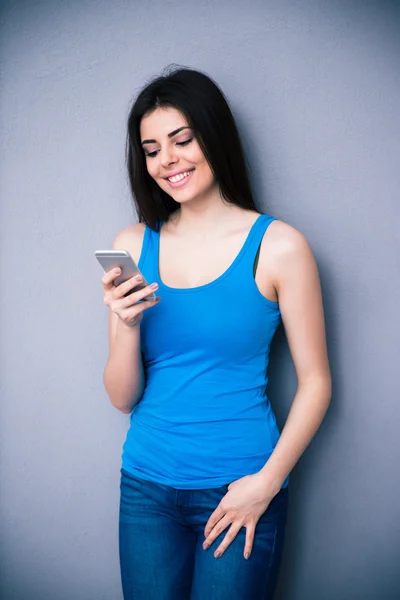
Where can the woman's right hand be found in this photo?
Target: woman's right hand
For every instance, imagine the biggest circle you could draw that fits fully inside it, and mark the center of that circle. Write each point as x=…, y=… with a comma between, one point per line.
x=127, y=307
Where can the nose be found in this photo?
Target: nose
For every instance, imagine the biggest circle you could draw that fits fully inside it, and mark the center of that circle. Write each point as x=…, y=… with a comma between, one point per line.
x=167, y=156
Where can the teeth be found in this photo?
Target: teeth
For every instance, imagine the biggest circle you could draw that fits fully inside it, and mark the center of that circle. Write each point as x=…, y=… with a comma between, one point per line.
x=179, y=177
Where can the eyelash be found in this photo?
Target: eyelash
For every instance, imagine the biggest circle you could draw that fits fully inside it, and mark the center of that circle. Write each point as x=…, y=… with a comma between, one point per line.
x=185, y=143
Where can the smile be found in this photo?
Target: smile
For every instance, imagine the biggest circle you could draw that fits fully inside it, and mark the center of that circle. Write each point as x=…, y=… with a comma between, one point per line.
x=180, y=180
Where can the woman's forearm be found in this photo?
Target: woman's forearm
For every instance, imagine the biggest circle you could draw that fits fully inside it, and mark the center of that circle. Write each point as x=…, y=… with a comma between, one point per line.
x=305, y=416
x=123, y=374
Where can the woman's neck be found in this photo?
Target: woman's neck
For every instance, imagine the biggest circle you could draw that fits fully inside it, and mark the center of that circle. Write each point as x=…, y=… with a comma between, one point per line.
x=205, y=218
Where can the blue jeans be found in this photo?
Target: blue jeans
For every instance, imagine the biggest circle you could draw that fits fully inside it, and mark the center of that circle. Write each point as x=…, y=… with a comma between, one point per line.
x=161, y=532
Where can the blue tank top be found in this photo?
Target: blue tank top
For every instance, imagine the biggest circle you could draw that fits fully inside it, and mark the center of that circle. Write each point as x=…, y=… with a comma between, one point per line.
x=204, y=419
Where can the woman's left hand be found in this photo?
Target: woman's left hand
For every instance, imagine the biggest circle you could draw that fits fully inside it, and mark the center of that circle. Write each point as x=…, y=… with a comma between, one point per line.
x=242, y=506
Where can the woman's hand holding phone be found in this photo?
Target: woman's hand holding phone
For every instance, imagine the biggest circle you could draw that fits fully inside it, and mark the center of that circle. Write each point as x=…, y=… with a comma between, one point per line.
x=127, y=307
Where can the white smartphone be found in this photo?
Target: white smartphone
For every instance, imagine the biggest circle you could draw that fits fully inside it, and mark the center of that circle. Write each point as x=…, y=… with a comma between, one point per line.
x=111, y=259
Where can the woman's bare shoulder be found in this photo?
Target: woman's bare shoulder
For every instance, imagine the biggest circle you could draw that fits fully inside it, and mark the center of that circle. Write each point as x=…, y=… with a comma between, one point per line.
x=283, y=246
x=283, y=239
x=131, y=239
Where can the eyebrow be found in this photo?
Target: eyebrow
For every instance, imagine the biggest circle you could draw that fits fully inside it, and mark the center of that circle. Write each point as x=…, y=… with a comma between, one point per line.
x=169, y=135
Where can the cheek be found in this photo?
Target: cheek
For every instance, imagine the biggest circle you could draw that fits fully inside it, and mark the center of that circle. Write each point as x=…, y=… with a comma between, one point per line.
x=207, y=173
x=151, y=168
x=198, y=159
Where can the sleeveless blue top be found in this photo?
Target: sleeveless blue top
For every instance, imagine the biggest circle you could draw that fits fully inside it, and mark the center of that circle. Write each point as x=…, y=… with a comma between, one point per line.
x=204, y=419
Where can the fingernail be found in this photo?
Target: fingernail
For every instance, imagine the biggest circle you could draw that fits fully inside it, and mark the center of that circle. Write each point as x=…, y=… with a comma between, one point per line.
x=247, y=554
x=154, y=286
x=205, y=546
x=217, y=554
x=118, y=271
x=139, y=278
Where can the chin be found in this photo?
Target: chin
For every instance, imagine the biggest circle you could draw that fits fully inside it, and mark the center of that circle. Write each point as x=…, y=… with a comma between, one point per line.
x=180, y=197
x=182, y=200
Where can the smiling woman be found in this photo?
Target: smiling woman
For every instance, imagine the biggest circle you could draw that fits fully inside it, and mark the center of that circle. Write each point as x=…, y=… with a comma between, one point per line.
x=205, y=470
x=178, y=146
x=182, y=122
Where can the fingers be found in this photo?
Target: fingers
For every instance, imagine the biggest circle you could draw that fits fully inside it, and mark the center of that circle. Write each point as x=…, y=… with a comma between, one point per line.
x=127, y=286
x=124, y=293
x=135, y=297
x=218, y=513
x=230, y=536
x=250, y=532
x=108, y=278
x=123, y=300
x=123, y=288
x=219, y=528
x=228, y=539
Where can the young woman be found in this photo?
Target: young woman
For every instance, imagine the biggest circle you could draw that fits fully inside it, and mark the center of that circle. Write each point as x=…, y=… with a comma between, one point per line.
x=205, y=470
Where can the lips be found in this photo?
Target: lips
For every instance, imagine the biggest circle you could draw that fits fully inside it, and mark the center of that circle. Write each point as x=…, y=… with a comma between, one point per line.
x=181, y=182
x=178, y=173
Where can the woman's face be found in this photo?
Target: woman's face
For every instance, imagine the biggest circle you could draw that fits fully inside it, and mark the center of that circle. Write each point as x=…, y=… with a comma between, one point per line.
x=172, y=151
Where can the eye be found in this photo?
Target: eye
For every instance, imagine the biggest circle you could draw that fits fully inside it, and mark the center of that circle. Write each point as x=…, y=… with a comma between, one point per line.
x=184, y=143
x=153, y=154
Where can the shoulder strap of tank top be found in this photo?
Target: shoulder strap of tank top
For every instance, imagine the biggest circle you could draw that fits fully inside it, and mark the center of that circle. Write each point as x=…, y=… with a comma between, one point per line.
x=148, y=261
x=254, y=241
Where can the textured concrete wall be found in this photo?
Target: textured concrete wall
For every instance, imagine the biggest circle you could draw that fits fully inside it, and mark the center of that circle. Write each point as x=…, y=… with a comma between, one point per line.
x=315, y=89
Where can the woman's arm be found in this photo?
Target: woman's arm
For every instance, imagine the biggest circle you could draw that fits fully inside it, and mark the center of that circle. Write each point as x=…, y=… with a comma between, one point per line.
x=286, y=260
x=123, y=374
x=298, y=287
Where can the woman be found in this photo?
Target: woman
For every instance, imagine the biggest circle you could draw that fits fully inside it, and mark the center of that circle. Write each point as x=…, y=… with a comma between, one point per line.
x=205, y=471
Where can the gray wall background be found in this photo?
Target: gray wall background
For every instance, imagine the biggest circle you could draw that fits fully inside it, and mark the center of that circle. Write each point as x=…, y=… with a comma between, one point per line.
x=315, y=89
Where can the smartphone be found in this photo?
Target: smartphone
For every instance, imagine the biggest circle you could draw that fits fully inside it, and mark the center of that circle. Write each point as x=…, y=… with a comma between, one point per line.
x=111, y=259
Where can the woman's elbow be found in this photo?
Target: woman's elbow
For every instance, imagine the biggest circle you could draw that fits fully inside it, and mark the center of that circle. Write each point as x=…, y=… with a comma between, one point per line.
x=124, y=409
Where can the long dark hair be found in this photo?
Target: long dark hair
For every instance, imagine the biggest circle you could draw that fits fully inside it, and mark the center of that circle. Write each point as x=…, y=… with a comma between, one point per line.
x=207, y=111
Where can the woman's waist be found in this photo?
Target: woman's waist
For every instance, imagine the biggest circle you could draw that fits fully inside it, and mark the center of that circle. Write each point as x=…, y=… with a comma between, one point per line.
x=248, y=430
x=198, y=404
x=198, y=442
